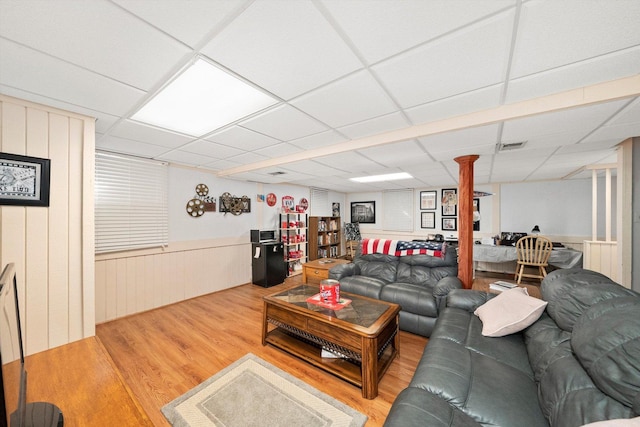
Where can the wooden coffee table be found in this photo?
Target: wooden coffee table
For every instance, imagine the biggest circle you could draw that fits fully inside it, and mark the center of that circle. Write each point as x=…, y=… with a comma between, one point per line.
x=365, y=333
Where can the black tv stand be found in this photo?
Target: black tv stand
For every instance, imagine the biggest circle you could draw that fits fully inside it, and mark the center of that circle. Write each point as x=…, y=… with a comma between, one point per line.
x=40, y=414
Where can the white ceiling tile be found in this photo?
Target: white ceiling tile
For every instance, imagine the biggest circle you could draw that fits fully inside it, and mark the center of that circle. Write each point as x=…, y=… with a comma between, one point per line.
x=88, y=34
x=400, y=25
x=352, y=99
x=211, y=149
x=185, y=158
x=278, y=150
x=559, y=128
x=576, y=75
x=392, y=155
x=286, y=47
x=221, y=164
x=321, y=139
x=630, y=114
x=464, y=141
x=141, y=132
x=458, y=105
x=241, y=138
x=464, y=61
x=247, y=157
x=25, y=69
x=128, y=146
x=551, y=34
x=349, y=161
x=620, y=133
x=312, y=167
x=588, y=146
x=284, y=123
x=189, y=22
x=381, y=124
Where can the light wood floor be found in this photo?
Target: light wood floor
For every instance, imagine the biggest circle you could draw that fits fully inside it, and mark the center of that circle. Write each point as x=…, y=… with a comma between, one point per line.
x=163, y=353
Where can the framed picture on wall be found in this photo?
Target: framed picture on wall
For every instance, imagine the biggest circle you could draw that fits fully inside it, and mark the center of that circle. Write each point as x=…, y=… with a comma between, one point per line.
x=428, y=220
x=363, y=212
x=449, y=224
x=24, y=181
x=428, y=200
x=449, y=202
x=476, y=214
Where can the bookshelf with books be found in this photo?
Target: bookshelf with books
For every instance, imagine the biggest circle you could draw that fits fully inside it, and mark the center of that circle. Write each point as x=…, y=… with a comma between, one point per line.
x=324, y=237
x=293, y=234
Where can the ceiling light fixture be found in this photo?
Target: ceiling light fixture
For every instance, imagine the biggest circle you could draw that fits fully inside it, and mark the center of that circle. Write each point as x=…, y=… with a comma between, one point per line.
x=202, y=98
x=387, y=177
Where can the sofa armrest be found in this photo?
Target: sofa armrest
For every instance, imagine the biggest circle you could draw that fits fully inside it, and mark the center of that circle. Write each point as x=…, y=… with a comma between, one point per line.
x=443, y=287
x=467, y=299
x=343, y=270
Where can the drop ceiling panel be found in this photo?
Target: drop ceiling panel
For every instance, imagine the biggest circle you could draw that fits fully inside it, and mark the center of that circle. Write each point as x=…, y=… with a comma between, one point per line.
x=211, y=149
x=128, y=146
x=242, y=138
x=286, y=47
x=352, y=99
x=465, y=103
x=441, y=69
x=247, y=157
x=88, y=33
x=596, y=70
x=186, y=158
x=140, y=132
x=321, y=139
x=391, y=155
x=349, y=161
x=313, y=167
x=284, y=123
x=403, y=25
x=552, y=34
x=629, y=114
x=378, y=125
x=478, y=140
x=25, y=69
x=589, y=146
x=278, y=150
x=196, y=19
x=620, y=133
x=220, y=165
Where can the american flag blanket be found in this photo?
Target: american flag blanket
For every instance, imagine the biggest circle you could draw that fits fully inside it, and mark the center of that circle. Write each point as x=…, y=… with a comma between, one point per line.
x=402, y=247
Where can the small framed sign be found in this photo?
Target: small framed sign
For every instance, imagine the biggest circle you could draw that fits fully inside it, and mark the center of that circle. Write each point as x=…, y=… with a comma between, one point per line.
x=428, y=200
x=24, y=181
x=428, y=220
x=449, y=224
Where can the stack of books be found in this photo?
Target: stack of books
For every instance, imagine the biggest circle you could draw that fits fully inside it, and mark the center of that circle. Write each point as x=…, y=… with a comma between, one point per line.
x=501, y=286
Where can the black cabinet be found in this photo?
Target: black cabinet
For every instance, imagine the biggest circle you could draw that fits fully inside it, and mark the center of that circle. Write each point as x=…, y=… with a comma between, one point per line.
x=268, y=266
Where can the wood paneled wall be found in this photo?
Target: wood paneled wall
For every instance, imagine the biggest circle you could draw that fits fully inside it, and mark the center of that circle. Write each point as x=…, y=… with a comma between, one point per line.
x=52, y=247
x=136, y=281
x=602, y=257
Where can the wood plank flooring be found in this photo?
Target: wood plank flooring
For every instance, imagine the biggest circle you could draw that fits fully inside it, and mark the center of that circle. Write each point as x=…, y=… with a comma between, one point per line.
x=165, y=352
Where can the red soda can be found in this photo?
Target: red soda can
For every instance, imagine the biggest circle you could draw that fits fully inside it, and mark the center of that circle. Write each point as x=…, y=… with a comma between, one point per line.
x=330, y=291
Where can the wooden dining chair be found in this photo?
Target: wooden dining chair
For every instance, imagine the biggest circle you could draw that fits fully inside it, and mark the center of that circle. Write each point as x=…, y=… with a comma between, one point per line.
x=533, y=251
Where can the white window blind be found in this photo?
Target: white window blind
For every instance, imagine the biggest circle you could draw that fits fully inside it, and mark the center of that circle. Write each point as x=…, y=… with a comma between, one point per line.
x=398, y=210
x=131, y=209
x=319, y=203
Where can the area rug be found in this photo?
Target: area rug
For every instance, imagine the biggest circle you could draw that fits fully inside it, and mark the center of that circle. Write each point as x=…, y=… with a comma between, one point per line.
x=252, y=392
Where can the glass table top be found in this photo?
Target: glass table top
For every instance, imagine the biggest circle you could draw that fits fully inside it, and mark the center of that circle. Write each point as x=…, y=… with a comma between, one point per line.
x=361, y=311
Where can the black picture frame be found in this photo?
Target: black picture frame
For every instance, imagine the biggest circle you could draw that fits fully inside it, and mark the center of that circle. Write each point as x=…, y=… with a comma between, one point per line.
x=24, y=180
x=428, y=220
x=428, y=200
x=449, y=224
x=363, y=212
x=449, y=202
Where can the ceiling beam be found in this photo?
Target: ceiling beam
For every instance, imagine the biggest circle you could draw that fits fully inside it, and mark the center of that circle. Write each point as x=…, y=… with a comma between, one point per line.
x=598, y=93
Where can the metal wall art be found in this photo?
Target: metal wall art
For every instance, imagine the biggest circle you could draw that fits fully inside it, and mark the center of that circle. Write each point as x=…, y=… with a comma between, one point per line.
x=234, y=205
x=201, y=203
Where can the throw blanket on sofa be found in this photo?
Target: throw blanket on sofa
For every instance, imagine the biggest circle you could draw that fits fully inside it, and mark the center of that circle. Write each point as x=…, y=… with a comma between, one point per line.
x=402, y=247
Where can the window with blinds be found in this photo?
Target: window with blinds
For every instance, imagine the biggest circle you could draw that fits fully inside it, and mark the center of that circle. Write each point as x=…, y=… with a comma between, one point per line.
x=398, y=210
x=131, y=210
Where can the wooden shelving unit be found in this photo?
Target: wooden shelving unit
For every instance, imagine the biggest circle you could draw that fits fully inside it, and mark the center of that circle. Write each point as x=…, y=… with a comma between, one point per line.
x=324, y=237
x=293, y=234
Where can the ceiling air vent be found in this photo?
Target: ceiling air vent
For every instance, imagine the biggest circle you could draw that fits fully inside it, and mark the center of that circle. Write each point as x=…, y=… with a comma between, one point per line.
x=508, y=146
x=276, y=173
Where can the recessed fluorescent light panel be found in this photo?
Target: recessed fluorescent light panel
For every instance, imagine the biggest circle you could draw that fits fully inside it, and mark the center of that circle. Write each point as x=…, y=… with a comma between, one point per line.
x=378, y=178
x=201, y=99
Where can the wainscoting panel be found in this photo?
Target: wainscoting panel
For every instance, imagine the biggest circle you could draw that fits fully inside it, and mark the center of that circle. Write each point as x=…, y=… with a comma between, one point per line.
x=602, y=257
x=133, y=282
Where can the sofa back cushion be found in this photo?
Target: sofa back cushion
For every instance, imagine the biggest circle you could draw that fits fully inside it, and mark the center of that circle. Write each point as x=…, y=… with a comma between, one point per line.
x=606, y=341
x=425, y=269
x=571, y=292
x=379, y=266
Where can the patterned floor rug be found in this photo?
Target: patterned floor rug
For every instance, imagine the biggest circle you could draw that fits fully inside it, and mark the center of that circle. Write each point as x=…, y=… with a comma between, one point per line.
x=252, y=392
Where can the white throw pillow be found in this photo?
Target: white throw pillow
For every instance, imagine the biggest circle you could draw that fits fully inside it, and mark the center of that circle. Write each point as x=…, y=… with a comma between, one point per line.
x=631, y=422
x=509, y=312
